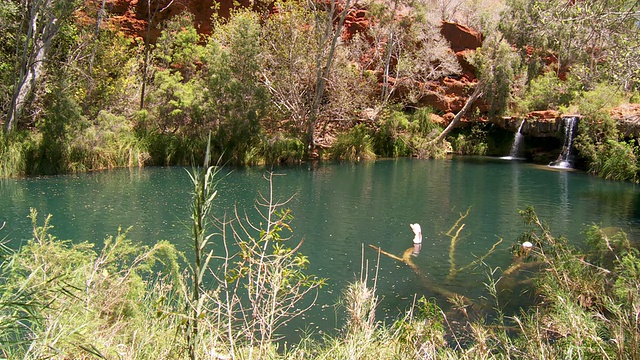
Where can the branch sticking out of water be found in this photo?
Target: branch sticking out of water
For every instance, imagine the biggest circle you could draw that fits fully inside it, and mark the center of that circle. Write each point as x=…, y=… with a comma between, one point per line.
x=454, y=239
x=457, y=227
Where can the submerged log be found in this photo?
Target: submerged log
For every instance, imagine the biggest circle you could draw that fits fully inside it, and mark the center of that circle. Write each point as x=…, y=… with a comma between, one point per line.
x=426, y=281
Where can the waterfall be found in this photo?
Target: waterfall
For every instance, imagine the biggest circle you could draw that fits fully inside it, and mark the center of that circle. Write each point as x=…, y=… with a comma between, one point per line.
x=517, y=144
x=565, y=159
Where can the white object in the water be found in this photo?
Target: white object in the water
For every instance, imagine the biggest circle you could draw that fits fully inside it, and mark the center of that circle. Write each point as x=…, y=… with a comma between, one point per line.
x=417, y=230
x=527, y=245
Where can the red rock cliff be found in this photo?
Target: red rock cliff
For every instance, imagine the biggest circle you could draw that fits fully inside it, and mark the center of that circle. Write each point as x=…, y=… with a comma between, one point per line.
x=132, y=16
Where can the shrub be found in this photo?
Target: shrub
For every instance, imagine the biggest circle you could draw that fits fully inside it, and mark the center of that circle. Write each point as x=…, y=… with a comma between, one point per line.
x=391, y=138
x=354, y=145
x=422, y=123
x=59, y=299
x=401, y=134
x=17, y=152
x=109, y=142
x=280, y=149
x=598, y=141
x=618, y=160
x=470, y=143
x=547, y=91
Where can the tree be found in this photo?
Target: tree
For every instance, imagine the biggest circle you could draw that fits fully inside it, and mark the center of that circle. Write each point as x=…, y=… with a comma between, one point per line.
x=9, y=25
x=42, y=19
x=236, y=99
x=152, y=12
x=497, y=66
x=175, y=97
x=598, y=40
x=327, y=32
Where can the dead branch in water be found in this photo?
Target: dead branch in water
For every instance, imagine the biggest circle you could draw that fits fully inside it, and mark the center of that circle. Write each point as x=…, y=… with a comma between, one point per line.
x=406, y=259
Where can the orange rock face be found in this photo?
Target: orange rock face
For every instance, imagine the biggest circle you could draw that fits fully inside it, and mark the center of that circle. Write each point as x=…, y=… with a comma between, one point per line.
x=132, y=16
x=461, y=37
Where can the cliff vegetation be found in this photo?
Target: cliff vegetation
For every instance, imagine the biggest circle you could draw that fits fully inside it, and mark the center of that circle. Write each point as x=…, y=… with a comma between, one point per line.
x=109, y=83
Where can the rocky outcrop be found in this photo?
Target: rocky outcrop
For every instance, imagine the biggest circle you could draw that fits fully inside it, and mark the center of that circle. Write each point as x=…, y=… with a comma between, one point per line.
x=132, y=16
x=446, y=96
x=548, y=123
x=464, y=41
x=537, y=123
x=627, y=117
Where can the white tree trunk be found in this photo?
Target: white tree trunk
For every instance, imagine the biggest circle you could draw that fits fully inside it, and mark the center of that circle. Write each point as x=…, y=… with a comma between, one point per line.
x=477, y=93
x=42, y=29
x=322, y=73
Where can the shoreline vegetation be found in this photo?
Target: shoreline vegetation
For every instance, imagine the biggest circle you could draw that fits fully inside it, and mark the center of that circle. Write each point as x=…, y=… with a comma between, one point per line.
x=286, y=82
x=63, y=299
x=294, y=81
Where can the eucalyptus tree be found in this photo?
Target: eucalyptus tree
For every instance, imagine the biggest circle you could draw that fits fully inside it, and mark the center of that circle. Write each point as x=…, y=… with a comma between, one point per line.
x=152, y=11
x=40, y=23
x=599, y=40
x=9, y=15
x=497, y=67
x=329, y=17
x=299, y=59
x=236, y=100
x=174, y=95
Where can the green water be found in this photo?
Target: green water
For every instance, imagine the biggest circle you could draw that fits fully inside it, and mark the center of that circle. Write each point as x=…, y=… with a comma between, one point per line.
x=337, y=209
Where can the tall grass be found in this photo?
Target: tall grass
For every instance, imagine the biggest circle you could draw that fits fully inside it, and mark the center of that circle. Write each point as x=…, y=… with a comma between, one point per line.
x=354, y=145
x=17, y=152
x=65, y=300
x=109, y=142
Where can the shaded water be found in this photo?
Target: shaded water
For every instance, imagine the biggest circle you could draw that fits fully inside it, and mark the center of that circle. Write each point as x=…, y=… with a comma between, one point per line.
x=339, y=207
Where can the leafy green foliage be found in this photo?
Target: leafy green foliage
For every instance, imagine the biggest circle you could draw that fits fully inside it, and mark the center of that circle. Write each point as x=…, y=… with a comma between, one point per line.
x=581, y=308
x=547, y=91
x=354, y=145
x=282, y=150
x=401, y=134
x=17, y=151
x=65, y=299
x=391, y=138
x=176, y=98
x=599, y=141
x=498, y=66
x=597, y=40
x=473, y=142
x=236, y=100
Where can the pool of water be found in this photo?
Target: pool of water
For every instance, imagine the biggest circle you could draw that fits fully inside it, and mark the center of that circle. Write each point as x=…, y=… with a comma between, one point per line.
x=339, y=209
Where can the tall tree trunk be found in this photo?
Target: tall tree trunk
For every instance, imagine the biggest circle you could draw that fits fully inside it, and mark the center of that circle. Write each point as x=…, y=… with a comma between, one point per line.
x=322, y=72
x=99, y=18
x=386, y=92
x=43, y=25
x=477, y=93
x=147, y=45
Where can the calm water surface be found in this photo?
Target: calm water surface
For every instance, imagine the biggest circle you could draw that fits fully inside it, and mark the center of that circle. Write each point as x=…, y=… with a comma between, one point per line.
x=339, y=207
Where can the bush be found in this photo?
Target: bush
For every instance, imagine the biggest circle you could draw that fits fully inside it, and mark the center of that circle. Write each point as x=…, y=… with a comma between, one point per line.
x=354, y=145
x=400, y=134
x=391, y=139
x=547, y=91
x=618, y=160
x=470, y=143
x=598, y=141
x=280, y=149
x=64, y=300
x=17, y=152
x=109, y=142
